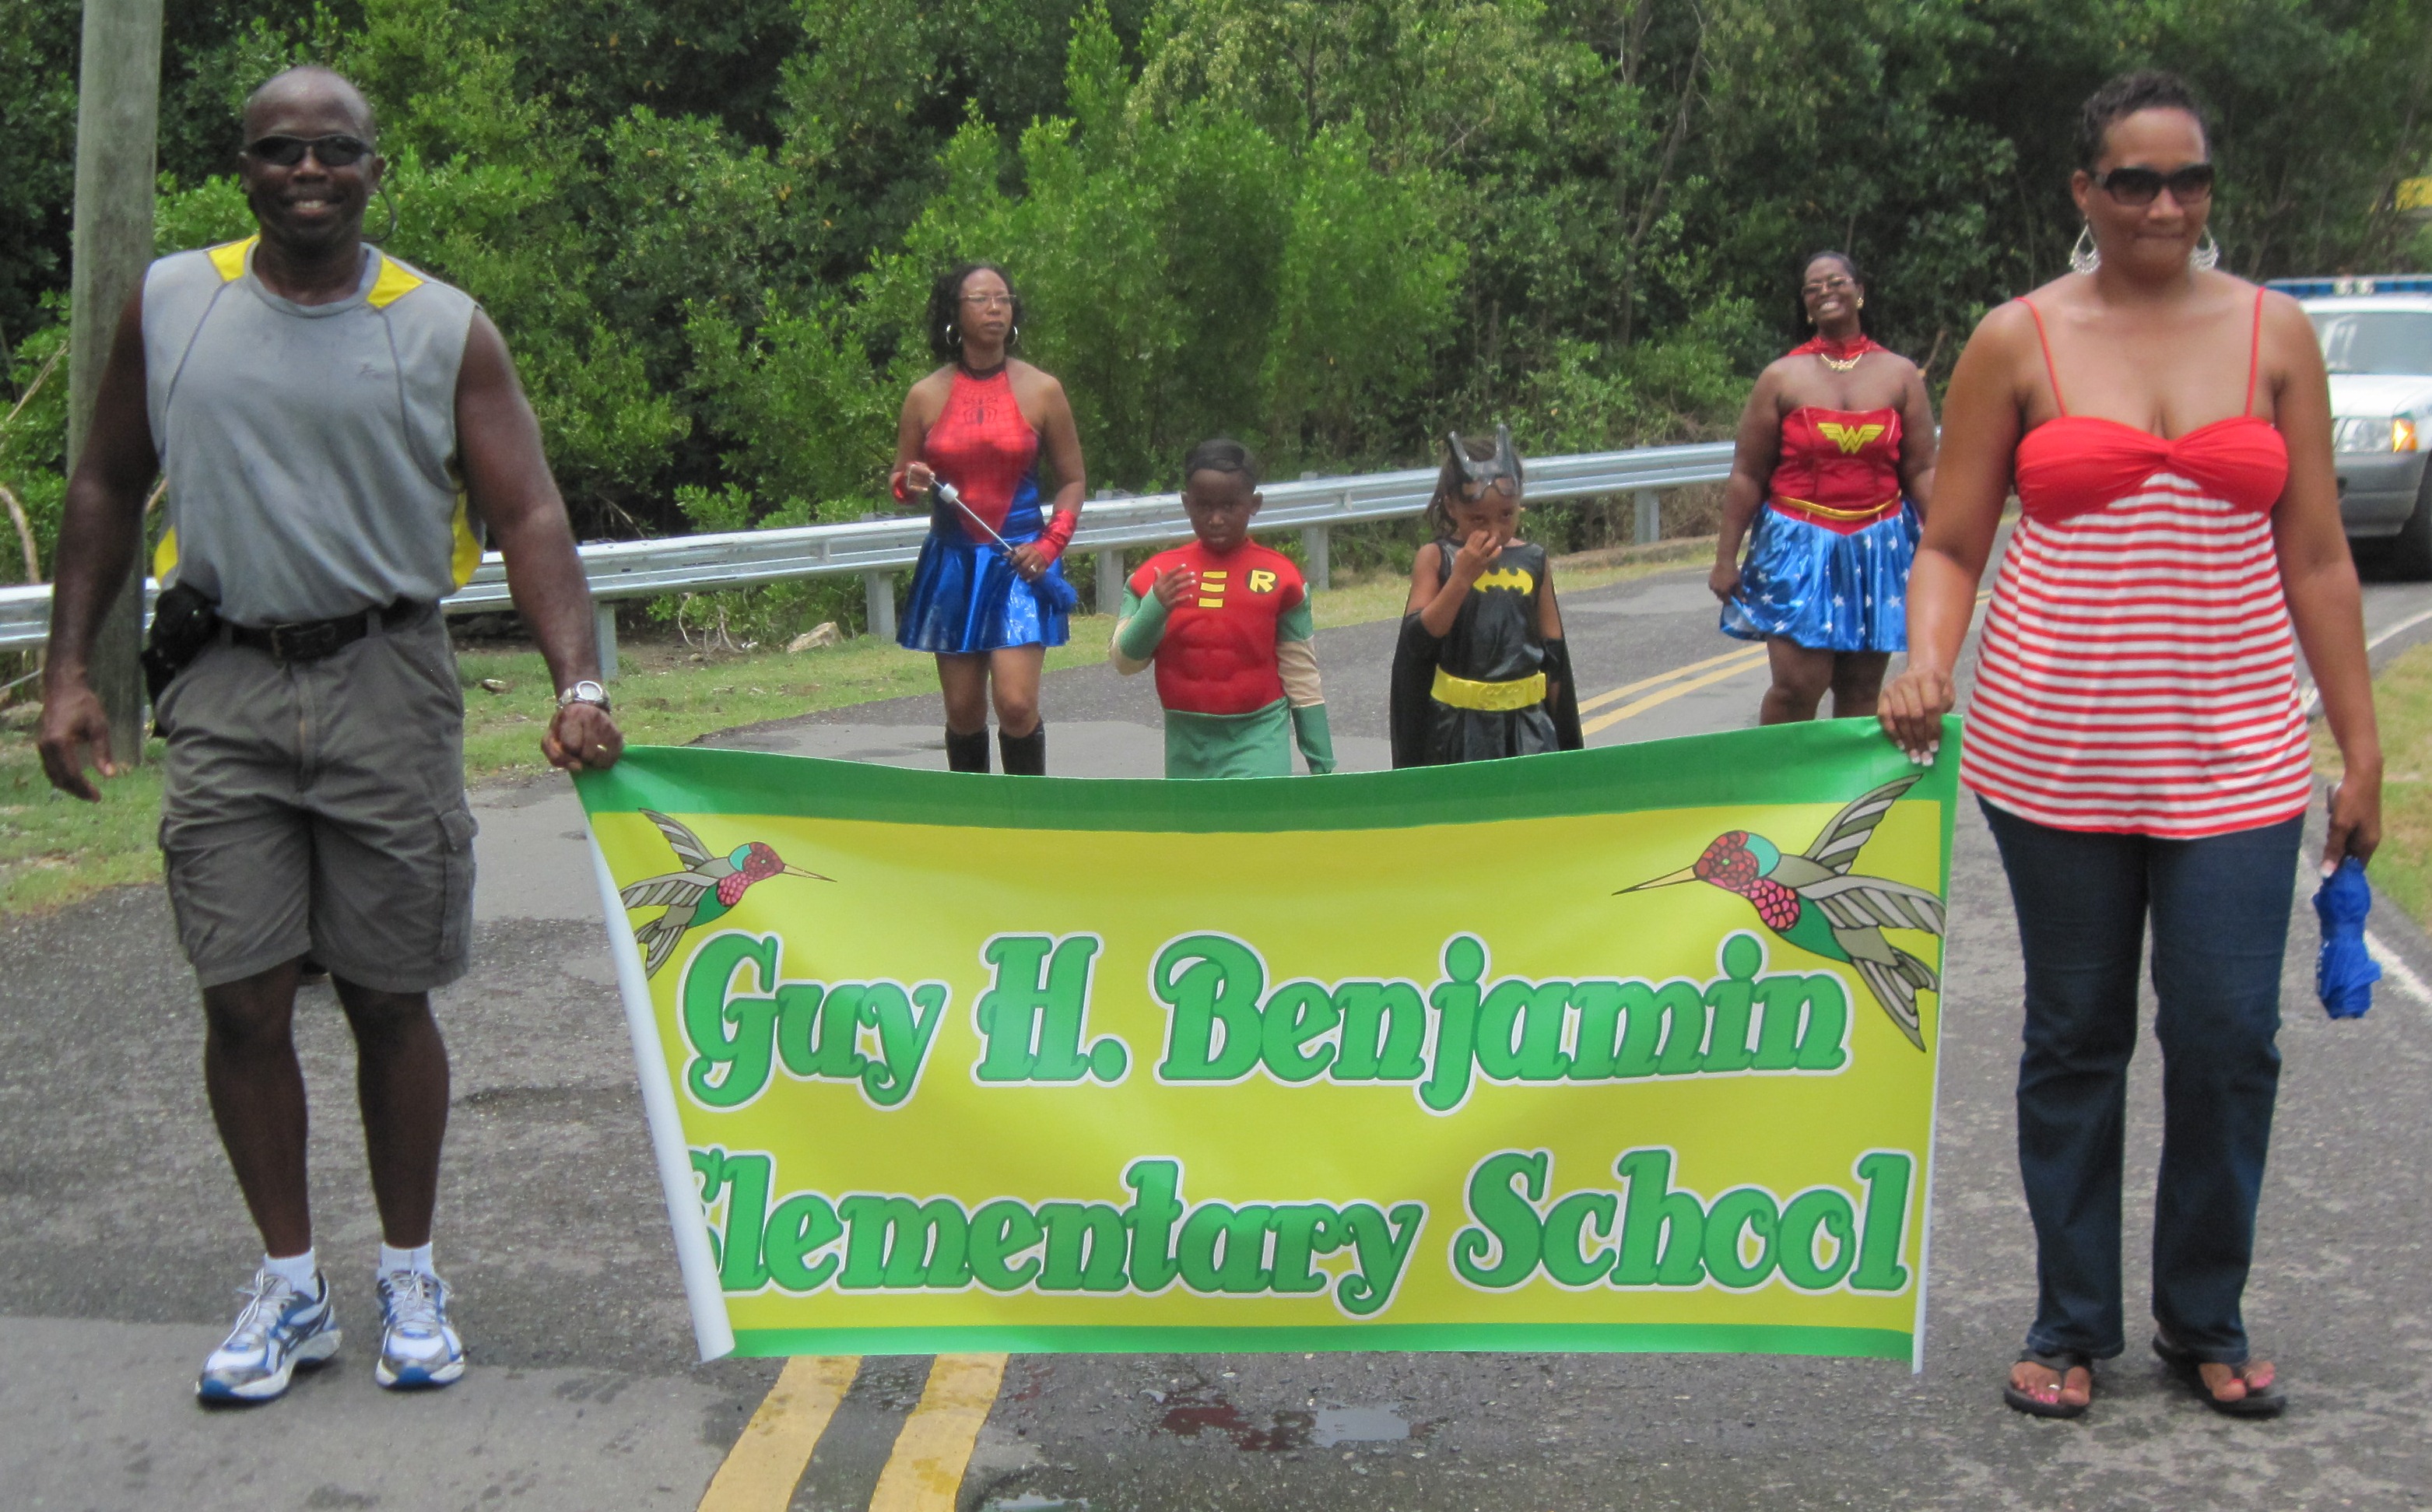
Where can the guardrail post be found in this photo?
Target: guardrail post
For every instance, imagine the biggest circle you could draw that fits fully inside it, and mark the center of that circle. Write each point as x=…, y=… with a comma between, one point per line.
x=878, y=591
x=1316, y=543
x=1650, y=517
x=604, y=620
x=1110, y=581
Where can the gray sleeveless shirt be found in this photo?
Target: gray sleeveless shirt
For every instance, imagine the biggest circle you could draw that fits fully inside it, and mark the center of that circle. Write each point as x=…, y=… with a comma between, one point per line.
x=309, y=449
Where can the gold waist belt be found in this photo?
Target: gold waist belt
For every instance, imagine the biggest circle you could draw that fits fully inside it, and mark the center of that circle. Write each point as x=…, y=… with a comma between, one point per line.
x=1491, y=698
x=1825, y=512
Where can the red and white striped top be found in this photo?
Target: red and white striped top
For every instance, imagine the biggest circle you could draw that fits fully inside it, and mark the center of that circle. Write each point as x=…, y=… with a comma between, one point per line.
x=2138, y=671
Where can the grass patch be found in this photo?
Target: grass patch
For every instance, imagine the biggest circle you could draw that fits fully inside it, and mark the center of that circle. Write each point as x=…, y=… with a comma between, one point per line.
x=55, y=849
x=2401, y=868
x=665, y=698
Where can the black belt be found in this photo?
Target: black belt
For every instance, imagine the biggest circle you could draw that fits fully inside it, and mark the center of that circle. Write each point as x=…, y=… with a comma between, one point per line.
x=312, y=640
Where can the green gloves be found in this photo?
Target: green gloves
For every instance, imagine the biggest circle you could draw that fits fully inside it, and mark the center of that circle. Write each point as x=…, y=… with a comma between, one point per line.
x=1144, y=628
x=1316, y=740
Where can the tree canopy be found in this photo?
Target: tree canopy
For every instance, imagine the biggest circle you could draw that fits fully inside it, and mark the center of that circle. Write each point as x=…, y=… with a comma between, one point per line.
x=1334, y=228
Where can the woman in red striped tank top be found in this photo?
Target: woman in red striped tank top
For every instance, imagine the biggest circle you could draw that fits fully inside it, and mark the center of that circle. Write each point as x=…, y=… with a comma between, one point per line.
x=2135, y=737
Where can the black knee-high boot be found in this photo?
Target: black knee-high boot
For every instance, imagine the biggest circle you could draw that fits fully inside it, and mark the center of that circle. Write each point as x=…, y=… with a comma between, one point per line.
x=967, y=753
x=1024, y=755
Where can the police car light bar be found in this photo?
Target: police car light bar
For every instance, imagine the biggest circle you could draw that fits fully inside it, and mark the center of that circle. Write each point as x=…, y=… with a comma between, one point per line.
x=2379, y=283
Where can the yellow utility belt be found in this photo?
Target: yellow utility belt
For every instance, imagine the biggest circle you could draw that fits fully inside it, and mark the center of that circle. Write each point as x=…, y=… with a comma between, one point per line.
x=1491, y=697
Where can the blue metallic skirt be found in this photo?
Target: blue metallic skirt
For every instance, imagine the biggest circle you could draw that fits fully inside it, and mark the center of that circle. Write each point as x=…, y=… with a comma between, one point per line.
x=1824, y=590
x=967, y=597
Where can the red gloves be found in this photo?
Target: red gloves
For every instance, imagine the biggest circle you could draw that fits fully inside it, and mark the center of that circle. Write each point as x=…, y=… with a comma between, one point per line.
x=1058, y=533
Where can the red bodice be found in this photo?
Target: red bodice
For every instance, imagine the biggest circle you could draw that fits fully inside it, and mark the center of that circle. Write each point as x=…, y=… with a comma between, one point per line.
x=982, y=445
x=2077, y=462
x=1839, y=469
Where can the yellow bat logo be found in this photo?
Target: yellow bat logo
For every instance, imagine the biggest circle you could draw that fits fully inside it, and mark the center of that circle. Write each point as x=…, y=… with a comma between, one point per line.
x=1849, y=438
x=1513, y=577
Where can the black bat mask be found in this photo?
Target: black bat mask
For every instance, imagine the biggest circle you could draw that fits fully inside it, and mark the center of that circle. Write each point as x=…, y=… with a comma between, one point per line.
x=1504, y=463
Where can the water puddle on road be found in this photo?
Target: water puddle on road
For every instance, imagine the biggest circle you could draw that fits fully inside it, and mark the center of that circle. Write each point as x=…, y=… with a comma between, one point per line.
x=1192, y=1418
x=1358, y=1425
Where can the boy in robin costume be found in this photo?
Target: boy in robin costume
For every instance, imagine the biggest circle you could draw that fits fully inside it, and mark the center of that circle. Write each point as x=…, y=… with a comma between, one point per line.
x=1227, y=622
x=1481, y=670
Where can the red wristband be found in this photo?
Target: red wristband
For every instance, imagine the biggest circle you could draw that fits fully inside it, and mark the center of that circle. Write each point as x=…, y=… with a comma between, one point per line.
x=1058, y=533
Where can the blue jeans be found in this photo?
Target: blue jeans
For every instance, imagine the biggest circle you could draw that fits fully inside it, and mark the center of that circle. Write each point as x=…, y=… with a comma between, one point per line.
x=2220, y=907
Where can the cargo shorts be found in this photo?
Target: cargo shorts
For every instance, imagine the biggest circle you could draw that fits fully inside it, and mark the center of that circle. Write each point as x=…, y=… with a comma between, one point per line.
x=319, y=807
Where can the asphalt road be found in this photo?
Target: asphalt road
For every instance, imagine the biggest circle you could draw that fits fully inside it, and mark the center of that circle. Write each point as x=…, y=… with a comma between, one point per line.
x=122, y=1236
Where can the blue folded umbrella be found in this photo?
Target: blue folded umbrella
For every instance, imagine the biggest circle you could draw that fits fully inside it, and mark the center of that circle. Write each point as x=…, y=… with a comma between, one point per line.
x=2345, y=971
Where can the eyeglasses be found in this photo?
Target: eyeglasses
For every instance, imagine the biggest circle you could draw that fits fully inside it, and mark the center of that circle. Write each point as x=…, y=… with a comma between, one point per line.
x=990, y=301
x=2191, y=184
x=1837, y=283
x=286, y=152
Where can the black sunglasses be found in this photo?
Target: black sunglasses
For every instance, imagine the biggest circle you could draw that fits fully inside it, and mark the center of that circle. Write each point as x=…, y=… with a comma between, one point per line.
x=333, y=152
x=2142, y=186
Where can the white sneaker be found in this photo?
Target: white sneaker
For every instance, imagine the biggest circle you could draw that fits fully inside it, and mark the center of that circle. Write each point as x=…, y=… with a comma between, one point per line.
x=417, y=1346
x=277, y=1331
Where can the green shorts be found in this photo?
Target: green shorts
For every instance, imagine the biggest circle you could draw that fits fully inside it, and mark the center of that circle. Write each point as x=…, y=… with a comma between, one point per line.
x=319, y=806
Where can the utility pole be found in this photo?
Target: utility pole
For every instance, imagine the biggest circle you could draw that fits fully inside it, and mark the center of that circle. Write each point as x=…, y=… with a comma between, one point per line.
x=118, y=126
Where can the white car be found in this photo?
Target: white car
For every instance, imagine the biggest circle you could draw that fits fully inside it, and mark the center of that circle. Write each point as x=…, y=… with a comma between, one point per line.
x=2376, y=337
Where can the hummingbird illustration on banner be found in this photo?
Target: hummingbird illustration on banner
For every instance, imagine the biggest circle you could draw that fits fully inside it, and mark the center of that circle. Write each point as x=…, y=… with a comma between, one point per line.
x=1812, y=901
x=703, y=893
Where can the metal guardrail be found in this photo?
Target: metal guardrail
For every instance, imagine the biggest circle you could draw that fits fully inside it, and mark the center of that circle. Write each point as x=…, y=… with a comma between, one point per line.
x=877, y=548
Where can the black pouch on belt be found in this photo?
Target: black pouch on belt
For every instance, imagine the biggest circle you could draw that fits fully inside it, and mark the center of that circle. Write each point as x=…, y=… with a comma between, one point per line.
x=183, y=622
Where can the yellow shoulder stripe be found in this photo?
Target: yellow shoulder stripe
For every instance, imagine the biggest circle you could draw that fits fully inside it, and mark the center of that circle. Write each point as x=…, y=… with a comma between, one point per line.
x=230, y=259
x=393, y=284
x=464, y=557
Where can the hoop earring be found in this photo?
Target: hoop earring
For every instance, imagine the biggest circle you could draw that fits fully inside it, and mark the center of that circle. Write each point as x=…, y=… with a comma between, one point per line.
x=954, y=337
x=1013, y=338
x=2207, y=255
x=2083, y=256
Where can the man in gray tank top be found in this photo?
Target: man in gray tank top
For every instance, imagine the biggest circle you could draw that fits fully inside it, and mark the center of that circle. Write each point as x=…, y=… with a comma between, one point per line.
x=332, y=423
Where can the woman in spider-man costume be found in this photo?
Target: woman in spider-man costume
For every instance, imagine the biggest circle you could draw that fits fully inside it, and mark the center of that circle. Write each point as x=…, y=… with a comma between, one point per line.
x=987, y=597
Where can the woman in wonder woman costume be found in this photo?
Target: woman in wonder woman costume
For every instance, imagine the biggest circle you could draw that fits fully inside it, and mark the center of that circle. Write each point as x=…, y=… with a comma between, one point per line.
x=987, y=597
x=1837, y=447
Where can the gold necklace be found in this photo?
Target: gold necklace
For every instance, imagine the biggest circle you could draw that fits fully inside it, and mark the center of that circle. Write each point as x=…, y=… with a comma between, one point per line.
x=1840, y=364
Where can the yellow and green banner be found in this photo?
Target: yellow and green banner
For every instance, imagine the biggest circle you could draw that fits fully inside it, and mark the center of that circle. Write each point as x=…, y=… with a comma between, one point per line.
x=1624, y=1048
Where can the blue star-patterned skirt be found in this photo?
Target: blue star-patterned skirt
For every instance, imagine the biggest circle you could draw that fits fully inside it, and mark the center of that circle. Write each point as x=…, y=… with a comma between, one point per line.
x=1823, y=590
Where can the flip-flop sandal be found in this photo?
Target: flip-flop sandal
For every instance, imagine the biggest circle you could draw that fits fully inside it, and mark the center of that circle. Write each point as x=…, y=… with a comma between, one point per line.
x=2267, y=1401
x=2059, y=1365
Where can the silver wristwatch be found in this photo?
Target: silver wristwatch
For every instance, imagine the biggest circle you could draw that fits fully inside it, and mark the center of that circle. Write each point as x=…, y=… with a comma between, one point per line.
x=585, y=690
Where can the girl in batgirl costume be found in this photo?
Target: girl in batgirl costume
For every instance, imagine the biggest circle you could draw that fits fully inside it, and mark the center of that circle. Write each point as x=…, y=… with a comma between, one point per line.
x=1481, y=670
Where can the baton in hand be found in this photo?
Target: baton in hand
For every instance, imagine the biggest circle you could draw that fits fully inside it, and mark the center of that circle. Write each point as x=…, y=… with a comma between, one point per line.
x=1063, y=594
x=946, y=491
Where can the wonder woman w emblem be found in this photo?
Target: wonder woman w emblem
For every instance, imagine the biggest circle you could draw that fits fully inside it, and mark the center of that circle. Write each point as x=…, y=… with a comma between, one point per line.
x=1849, y=438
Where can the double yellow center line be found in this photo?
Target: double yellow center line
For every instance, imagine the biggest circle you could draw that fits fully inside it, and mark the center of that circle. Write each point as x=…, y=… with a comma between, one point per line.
x=934, y=1447
x=1670, y=685
x=1666, y=686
